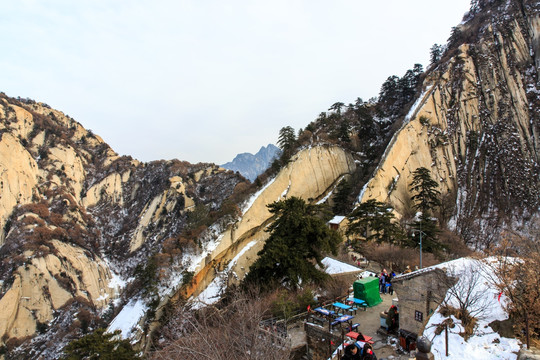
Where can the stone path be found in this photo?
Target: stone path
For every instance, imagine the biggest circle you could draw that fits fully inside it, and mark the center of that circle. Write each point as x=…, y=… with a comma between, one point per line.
x=369, y=324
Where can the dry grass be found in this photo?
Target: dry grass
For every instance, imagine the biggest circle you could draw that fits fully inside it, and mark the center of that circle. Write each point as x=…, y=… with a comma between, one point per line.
x=468, y=321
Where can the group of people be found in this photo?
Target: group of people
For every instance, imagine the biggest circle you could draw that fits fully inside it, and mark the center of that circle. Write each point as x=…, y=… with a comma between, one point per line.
x=359, y=350
x=357, y=260
x=385, y=282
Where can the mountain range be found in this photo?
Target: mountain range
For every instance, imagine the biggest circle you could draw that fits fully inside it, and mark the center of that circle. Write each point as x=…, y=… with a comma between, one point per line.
x=87, y=236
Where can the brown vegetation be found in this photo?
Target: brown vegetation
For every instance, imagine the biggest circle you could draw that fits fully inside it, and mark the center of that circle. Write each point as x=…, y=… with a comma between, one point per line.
x=395, y=257
x=234, y=331
x=518, y=278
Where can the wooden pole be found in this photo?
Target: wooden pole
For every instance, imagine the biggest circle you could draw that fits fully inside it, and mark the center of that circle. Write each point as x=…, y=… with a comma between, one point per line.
x=527, y=328
x=446, y=337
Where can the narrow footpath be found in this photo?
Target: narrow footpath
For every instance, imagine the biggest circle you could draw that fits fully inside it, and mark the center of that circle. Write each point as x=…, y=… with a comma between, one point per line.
x=369, y=324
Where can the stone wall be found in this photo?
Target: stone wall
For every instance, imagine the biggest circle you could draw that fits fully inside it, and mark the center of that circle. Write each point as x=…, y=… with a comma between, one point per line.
x=318, y=340
x=419, y=293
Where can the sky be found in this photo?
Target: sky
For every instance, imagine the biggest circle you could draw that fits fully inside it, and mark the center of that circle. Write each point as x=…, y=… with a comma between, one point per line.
x=205, y=80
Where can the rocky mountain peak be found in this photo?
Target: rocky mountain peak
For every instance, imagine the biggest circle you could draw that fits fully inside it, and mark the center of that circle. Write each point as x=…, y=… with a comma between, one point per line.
x=251, y=166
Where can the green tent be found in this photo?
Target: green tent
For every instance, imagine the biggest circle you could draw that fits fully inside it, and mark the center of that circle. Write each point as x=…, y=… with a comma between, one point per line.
x=367, y=289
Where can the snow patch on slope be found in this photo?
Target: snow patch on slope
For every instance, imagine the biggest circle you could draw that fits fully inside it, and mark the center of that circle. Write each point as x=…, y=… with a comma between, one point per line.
x=485, y=343
x=128, y=318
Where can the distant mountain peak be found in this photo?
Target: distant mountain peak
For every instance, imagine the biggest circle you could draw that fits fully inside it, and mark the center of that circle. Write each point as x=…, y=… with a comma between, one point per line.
x=251, y=166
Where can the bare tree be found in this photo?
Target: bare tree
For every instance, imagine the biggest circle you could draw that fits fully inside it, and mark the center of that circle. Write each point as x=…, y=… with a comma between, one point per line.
x=466, y=298
x=236, y=331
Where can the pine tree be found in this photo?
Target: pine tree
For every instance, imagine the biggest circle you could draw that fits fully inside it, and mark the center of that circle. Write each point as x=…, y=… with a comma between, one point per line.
x=456, y=36
x=376, y=221
x=286, y=142
x=337, y=107
x=298, y=240
x=426, y=197
x=287, y=138
x=435, y=53
x=343, y=132
x=342, y=205
x=100, y=345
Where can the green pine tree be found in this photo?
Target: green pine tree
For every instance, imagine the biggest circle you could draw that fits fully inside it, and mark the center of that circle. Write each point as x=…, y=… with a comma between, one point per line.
x=100, y=345
x=342, y=205
x=376, y=221
x=298, y=240
x=435, y=53
x=337, y=107
x=287, y=143
x=426, y=198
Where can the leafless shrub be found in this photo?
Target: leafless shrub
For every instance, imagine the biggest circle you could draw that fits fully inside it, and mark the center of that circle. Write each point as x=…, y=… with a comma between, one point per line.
x=465, y=298
x=41, y=209
x=455, y=245
x=395, y=257
x=335, y=288
x=231, y=332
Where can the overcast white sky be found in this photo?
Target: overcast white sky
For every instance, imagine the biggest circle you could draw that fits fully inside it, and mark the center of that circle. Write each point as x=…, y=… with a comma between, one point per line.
x=204, y=80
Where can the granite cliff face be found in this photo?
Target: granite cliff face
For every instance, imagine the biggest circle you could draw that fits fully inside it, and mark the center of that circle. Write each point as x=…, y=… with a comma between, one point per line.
x=475, y=125
x=311, y=174
x=76, y=220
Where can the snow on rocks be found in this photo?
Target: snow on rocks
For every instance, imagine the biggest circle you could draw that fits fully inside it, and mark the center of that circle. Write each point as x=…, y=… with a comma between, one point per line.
x=252, y=199
x=128, y=318
x=333, y=267
x=213, y=292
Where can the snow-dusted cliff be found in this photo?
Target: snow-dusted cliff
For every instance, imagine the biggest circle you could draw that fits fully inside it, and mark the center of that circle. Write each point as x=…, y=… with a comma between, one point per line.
x=475, y=125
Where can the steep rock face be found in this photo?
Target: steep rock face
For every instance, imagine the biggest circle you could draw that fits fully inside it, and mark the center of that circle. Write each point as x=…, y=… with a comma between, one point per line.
x=45, y=284
x=475, y=126
x=310, y=174
x=18, y=178
x=72, y=213
x=110, y=187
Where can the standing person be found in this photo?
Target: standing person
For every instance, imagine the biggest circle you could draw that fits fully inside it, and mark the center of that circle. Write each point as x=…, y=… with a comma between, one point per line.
x=382, y=281
x=392, y=320
x=389, y=284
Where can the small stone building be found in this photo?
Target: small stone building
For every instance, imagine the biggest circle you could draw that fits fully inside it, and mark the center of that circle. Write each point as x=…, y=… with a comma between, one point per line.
x=338, y=223
x=420, y=293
